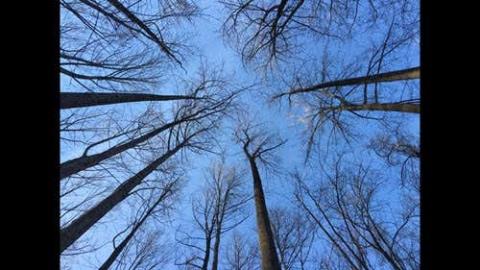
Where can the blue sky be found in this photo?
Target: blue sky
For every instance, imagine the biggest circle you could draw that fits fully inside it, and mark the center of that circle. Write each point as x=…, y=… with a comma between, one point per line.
x=282, y=119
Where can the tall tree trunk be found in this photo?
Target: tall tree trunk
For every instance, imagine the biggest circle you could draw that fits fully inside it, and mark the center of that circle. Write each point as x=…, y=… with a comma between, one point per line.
x=389, y=107
x=398, y=75
x=206, y=259
x=76, y=165
x=70, y=100
x=80, y=225
x=113, y=256
x=267, y=246
x=216, y=246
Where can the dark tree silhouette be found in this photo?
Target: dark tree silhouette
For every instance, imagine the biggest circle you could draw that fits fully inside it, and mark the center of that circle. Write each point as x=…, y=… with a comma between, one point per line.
x=256, y=146
x=69, y=100
x=115, y=45
x=167, y=191
x=210, y=105
x=216, y=211
x=349, y=212
x=182, y=137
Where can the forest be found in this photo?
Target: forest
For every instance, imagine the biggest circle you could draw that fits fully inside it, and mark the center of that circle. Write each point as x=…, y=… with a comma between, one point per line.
x=239, y=134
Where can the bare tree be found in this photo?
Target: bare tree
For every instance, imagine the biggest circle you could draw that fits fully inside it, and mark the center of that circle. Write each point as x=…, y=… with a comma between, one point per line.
x=241, y=254
x=70, y=100
x=229, y=205
x=257, y=146
x=271, y=29
x=108, y=45
x=217, y=211
x=149, y=251
x=397, y=75
x=182, y=137
x=348, y=210
x=118, y=52
x=268, y=29
x=294, y=235
x=210, y=105
x=335, y=111
x=167, y=191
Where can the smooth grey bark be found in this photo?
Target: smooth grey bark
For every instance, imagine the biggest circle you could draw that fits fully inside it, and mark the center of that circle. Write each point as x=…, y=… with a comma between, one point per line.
x=80, y=225
x=118, y=249
x=69, y=100
x=398, y=75
x=267, y=246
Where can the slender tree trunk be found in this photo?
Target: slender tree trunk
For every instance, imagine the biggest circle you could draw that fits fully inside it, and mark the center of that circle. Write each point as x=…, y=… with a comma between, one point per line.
x=79, y=226
x=398, y=75
x=267, y=246
x=216, y=246
x=76, y=165
x=206, y=259
x=113, y=256
x=389, y=107
x=70, y=100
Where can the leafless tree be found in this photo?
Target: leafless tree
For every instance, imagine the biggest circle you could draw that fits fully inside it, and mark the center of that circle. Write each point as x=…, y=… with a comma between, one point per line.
x=349, y=212
x=257, y=146
x=398, y=75
x=215, y=100
x=149, y=251
x=337, y=94
x=218, y=210
x=168, y=191
x=70, y=100
x=336, y=110
x=241, y=254
x=121, y=45
x=190, y=135
x=270, y=29
x=294, y=235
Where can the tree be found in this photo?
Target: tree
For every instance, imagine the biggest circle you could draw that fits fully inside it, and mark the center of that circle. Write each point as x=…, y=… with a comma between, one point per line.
x=70, y=100
x=348, y=210
x=210, y=105
x=274, y=29
x=257, y=146
x=120, y=46
x=397, y=75
x=182, y=137
x=168, y=190
x=334, y=108
x=217, y=211
x=241, y=254
x=294, y=235
x=333, y=100
x=150, y=251
x=266, y=29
